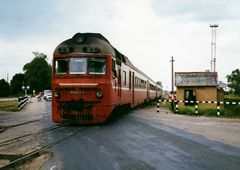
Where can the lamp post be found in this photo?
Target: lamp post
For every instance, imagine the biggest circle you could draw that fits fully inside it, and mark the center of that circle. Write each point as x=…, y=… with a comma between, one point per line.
x=25, y=88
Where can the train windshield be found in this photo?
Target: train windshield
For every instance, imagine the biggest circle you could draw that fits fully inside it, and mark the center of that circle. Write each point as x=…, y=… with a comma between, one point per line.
x=81, y=65
x=96, y=65
x=78, y=65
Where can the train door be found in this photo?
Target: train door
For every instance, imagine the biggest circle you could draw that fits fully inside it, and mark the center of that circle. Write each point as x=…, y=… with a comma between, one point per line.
x=119, y=85
x=133, y=87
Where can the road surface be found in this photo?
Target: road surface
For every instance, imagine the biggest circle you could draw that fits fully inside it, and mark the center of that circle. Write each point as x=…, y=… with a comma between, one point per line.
x=131, y=141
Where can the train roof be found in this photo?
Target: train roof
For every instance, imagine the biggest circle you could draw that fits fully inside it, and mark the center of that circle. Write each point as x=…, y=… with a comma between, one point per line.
x=93, y=43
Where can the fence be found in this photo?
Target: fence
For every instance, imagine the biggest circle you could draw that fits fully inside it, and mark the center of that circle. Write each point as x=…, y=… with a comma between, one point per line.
x=196, y=104
x=22, y=101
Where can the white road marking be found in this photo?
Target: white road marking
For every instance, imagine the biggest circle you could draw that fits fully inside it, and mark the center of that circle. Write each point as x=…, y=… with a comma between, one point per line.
x=53, y=167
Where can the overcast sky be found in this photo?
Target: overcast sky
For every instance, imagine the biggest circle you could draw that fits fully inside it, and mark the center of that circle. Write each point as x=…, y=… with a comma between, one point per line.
x=148, y=32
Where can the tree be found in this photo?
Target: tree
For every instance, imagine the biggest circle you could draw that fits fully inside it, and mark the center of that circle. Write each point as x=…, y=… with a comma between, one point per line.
x=234, y=81
x=38, y=73
x=4, y=88
x=17, y=83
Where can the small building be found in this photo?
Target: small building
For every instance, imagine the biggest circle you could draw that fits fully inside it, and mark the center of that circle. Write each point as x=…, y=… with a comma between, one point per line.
x=198, y=86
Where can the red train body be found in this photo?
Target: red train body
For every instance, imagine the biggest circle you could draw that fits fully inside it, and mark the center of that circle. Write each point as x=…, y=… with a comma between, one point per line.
x=91, y=78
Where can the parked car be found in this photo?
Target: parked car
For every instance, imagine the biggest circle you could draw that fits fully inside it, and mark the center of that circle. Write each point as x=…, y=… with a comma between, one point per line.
x=47, y=93
x=49, y=97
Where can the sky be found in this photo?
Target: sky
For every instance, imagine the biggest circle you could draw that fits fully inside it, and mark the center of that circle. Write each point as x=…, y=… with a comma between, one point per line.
x=148, y=32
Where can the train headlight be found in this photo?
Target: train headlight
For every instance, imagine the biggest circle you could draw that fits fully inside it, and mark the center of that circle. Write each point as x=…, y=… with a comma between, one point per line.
x=56, y=93
x=99, y=94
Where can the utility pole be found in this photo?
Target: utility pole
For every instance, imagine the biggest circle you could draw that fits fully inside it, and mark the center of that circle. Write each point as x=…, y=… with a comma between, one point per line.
x=172, y=93
x=172, y=75
x=213, y=47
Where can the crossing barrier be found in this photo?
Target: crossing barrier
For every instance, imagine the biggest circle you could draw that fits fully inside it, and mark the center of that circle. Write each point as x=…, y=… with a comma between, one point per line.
x=196, y=104
x=22, y=101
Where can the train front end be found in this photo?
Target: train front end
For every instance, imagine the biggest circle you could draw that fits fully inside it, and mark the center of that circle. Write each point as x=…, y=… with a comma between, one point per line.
x=81, y=80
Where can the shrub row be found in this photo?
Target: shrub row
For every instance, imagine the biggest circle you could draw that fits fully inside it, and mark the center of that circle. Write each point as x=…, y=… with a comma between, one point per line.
x=228, y=111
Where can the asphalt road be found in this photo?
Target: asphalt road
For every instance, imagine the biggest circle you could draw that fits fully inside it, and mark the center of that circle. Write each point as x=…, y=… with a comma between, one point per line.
x=131, y=142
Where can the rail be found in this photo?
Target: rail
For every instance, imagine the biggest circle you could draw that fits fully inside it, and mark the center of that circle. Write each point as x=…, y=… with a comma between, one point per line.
x=13, y=164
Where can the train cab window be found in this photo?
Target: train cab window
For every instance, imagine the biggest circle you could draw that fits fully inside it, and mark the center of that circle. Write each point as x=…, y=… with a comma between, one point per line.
x=61, y=66
x=78, y=65
x=96, y=65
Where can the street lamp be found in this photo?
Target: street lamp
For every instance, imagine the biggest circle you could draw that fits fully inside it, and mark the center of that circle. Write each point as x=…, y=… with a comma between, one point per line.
x=25, y=88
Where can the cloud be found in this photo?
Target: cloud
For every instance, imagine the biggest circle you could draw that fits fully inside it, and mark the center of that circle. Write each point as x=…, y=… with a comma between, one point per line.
x=26, y=17
x=198, y=10
x=148, y=32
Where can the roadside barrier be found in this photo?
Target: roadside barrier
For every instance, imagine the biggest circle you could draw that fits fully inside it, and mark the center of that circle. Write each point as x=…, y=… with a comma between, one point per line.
x=22, y=101
x=158, y=104
x=196, y=104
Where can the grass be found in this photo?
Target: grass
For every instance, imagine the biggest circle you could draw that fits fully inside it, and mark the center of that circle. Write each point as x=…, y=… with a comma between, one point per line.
x=232, y=111
x=165, y=105
x=190, y=110
x=9, y=105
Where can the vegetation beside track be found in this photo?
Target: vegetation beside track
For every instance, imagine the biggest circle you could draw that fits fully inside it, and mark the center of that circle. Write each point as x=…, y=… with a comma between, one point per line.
x=10, y=105
x=229, y=110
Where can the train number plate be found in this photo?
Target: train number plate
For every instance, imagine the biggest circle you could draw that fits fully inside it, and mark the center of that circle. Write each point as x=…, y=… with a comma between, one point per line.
x=78, y=92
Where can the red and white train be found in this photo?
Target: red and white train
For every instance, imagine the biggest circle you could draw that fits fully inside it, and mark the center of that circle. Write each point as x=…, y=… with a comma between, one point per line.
x=91, y=78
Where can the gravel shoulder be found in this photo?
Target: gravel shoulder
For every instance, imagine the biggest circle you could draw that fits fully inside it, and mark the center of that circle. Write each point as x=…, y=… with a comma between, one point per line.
x=16, y=124
x=224, y=130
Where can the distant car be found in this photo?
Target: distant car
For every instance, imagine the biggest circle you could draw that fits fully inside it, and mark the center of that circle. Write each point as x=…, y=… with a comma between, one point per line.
x=46, y=93
x=49, y=97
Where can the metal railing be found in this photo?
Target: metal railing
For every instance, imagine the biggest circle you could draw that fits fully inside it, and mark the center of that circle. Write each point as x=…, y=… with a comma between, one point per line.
x=195, y=103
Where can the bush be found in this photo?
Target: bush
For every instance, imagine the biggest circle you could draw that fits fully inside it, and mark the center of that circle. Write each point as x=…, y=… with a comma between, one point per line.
x=232, y=110
x=228, y=111
x=190, y=110
x=187, y=110
x=210, y=111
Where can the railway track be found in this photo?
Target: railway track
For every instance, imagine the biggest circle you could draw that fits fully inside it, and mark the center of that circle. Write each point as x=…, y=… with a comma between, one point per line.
x=35, y=153
x=9, y=125
x=9, y=141
x=46, y=114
